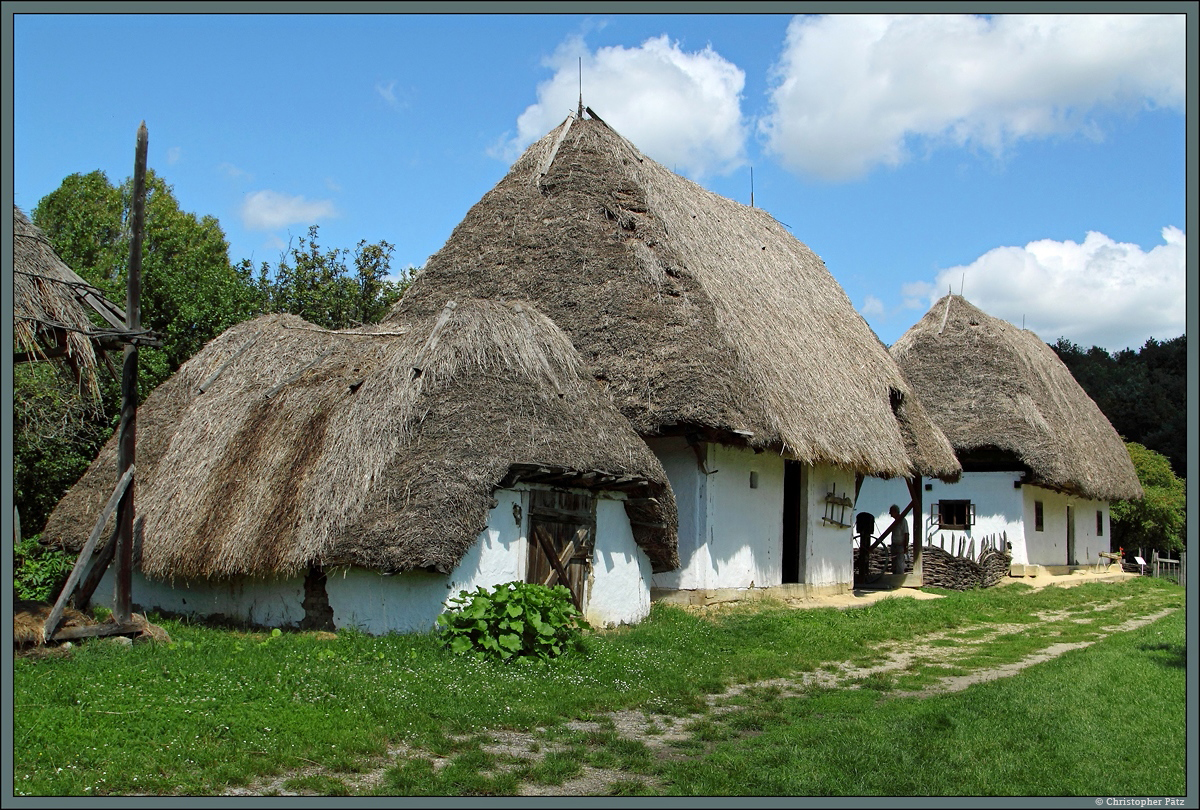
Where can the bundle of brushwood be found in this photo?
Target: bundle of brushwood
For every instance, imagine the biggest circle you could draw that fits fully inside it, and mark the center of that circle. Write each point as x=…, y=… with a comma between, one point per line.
x=881, y=561
x=941, y=569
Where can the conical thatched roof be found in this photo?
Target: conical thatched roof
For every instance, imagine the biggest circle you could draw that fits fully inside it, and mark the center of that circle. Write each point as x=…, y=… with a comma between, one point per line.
x=345, y=448
x=989, y=385
x=51, y=303
x=699, y=314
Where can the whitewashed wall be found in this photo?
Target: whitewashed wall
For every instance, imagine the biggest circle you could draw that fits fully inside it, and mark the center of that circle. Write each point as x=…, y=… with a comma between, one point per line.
x=621, y=572
x=1049, y=546
x=272, y=602
x=998, y=507
x=830, y=548
x=411, y=602
x=690, y=486
x=731, y=535
x=1001, y=507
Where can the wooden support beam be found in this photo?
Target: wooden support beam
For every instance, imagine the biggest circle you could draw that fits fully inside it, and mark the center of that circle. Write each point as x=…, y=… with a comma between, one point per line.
x=85, y=554
x=127, y=440
x=98, y=631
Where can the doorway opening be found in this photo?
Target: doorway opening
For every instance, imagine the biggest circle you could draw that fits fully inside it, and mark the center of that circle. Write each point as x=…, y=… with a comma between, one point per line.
x=795, y=519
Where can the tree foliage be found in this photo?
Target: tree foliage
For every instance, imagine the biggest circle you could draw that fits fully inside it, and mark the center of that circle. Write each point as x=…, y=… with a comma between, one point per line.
x=317, y=284
x=191, y=292
x=1159, y=520
x=1143, y=393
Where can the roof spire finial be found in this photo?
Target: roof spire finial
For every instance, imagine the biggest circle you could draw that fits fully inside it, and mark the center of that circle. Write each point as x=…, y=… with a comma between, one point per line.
x=579, y=113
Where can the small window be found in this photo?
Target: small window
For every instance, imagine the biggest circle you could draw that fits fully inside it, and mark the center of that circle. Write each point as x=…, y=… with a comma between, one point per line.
x=953, y=514
x=753, y=480
x=1037, y=516
x=1099, y=523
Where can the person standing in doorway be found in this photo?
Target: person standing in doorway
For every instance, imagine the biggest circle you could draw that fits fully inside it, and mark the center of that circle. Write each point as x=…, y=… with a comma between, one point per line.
x=899, y=541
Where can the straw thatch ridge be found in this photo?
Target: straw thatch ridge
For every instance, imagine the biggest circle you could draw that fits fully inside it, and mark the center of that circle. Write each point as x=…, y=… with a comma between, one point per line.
x=697, y=312
x=993, y=387
x=313, y=448
x=51, y=303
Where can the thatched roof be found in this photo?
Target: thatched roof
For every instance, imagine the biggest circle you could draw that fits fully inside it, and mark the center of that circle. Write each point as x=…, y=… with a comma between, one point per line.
x=309, y=447
x=52, y=304
x=993, y=387
x=698, y=313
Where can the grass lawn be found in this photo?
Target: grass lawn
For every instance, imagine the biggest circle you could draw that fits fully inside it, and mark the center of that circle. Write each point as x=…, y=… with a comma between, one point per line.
x=217, y=709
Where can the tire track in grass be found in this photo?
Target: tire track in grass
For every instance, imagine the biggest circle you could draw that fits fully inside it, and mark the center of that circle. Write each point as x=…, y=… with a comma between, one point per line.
x=661, y=734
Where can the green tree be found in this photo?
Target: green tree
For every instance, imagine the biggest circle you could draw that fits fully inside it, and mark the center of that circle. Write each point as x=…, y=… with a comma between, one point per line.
x=190, y=290
x=317, y=284
x=1159, y=520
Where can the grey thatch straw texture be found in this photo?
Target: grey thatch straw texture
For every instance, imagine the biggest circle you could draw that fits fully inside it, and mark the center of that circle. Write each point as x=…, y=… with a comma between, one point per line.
x=698, y=313
x=373, y=447
x=993, y=387
x=52, y=303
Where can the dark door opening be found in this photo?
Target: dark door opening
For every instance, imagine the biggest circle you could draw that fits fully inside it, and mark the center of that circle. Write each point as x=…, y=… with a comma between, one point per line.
x=1071, y=560
x=795, y=516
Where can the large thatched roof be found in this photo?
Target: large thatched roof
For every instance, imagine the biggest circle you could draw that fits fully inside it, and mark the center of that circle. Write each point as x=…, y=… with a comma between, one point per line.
x=281, y=446
x=51, y=304
x=993, y=387
x=698, y=313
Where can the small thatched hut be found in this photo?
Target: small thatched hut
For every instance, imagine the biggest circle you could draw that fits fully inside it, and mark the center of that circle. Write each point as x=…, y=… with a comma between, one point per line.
x=723, y=339
x=52, y=306
x=1040, y=460
x=289, y=475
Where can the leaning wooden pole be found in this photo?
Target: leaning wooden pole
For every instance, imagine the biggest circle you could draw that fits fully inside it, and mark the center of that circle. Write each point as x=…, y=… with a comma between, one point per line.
x=123, y=606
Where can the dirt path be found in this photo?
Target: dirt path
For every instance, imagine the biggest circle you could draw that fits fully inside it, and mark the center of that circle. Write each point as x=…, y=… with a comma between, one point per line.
x=658, y=732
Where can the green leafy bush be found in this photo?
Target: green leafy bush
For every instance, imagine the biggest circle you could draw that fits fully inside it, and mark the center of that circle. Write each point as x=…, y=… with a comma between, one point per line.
x=514, y=619
x=39, y=571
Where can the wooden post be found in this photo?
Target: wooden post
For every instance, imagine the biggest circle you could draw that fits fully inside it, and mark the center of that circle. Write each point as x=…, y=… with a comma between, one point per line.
x=916, y=490
x=123, y=605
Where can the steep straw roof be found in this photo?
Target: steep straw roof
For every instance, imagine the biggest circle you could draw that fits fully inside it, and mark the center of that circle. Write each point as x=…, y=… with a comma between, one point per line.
x=309, y=447
x=988, y=384
x=51, y=303
x=697, y=312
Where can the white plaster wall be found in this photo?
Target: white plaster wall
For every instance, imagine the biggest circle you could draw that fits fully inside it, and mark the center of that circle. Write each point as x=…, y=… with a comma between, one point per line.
x=1049, y=546
x=690, y=486
x=410, y=602
x=830, y=548
x=621, y=572
x=745, y=534
x=998, y=507
x=271, y=602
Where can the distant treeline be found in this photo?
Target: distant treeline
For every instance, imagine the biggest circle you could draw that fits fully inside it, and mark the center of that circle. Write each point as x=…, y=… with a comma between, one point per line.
x=1143, y=393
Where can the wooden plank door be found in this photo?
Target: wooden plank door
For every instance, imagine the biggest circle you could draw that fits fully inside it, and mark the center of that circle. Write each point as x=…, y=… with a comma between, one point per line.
x=561, y=539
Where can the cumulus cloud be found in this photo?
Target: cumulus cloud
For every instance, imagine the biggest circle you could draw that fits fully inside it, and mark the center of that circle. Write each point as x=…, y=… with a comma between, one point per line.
x=1096, y=293
x=681, y=108
x=264, y=210
x=854, y=92
x=173, y=154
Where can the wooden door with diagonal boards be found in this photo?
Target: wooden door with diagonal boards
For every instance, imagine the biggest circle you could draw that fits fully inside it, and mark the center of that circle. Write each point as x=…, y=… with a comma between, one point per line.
x=562, y=527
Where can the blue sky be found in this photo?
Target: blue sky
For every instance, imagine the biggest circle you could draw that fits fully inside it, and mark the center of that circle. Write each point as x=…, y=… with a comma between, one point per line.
x=1038, y=162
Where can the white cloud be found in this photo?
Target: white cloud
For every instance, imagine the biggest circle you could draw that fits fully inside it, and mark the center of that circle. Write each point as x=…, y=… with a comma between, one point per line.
x=682, y=109
x=231, y=171
x=1099, y=293
x=853, y=92
x=264, y=210
x=173, y=154
x=872, y=306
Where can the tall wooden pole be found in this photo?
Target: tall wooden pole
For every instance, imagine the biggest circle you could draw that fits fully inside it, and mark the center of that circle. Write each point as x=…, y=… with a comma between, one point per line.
x=918, y=531
x=123, y=607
